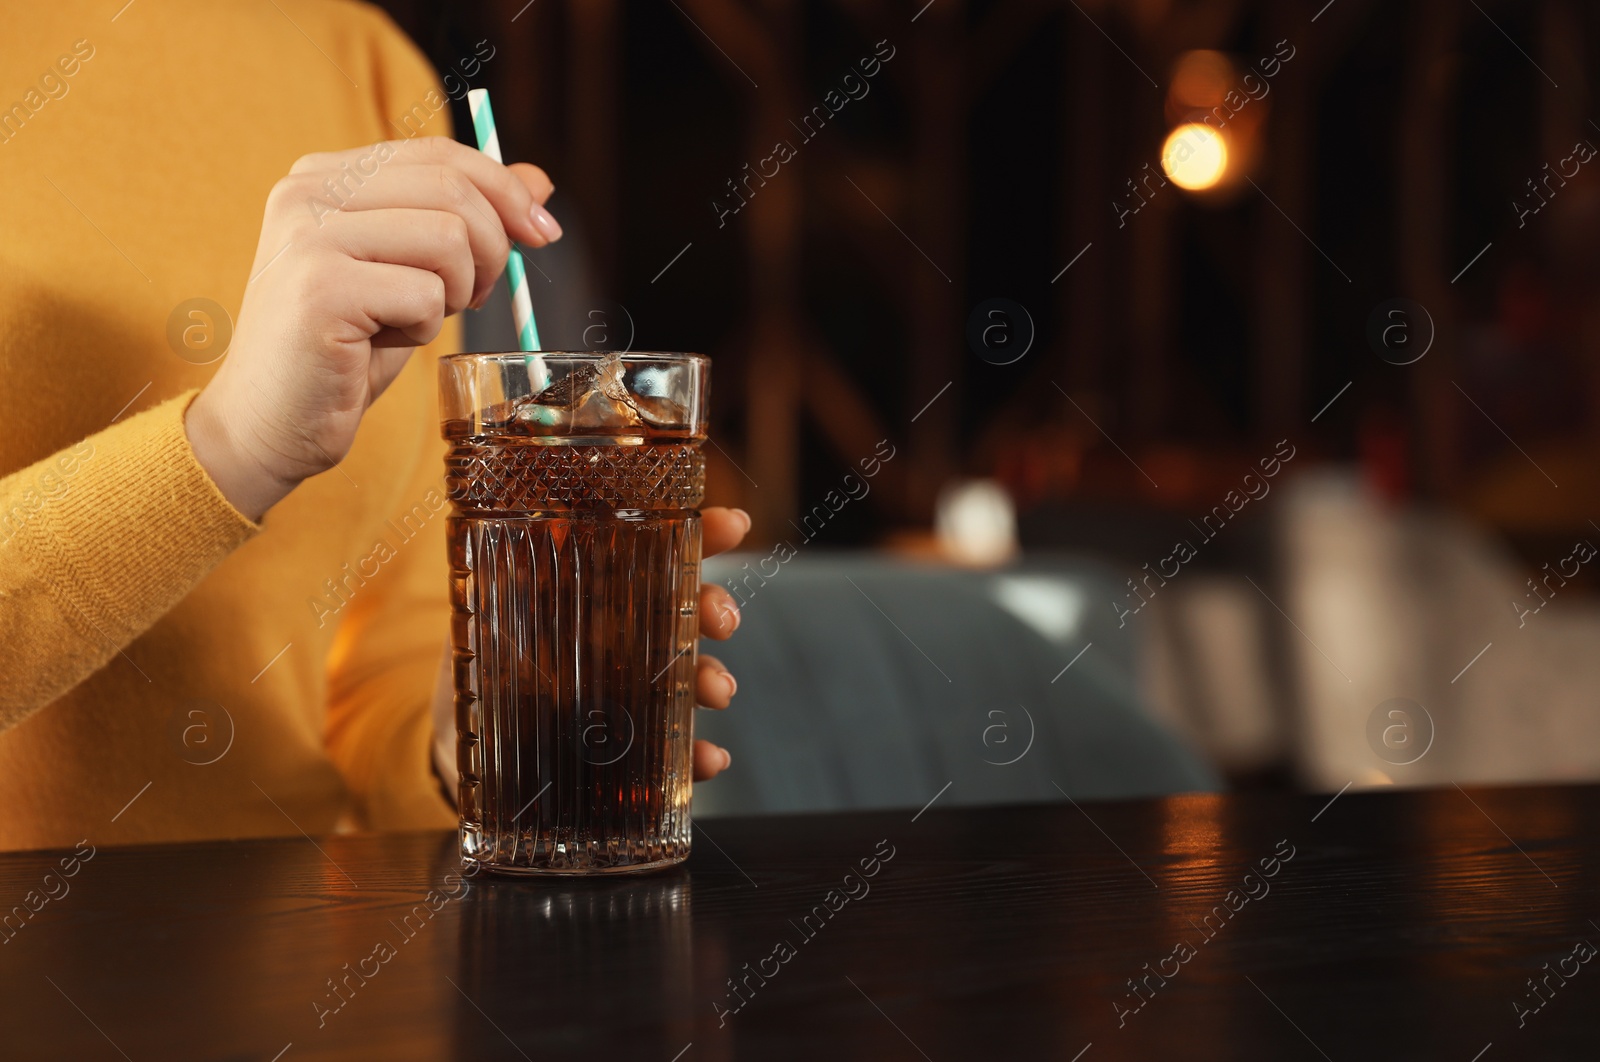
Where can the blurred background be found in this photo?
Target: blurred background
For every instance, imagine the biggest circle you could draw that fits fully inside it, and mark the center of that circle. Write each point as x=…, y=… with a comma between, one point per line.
x=1258, y=336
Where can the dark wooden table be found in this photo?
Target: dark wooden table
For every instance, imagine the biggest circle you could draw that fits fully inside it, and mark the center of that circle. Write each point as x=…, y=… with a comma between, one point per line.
x=1384, y=925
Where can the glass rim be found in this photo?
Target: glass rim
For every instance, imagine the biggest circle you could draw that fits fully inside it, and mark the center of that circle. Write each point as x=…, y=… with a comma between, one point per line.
x=643, y=356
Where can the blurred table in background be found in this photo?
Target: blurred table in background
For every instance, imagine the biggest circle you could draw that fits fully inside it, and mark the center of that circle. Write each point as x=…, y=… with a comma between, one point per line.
x=1384, y=925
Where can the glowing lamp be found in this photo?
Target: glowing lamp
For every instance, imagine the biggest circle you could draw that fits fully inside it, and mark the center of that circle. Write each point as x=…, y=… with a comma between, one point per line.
x=976, y=522
x=1195, y=157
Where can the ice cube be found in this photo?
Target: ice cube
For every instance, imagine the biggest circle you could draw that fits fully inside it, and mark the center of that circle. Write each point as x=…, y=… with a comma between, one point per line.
x=661, y=412
x=498, y=415
x=594, y=398
x=600, y=411
x=566, y=391
x=543, y=419
x=608, y=379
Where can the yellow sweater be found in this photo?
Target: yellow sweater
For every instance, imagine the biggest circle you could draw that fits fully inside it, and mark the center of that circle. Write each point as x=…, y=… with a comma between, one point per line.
x=169, y=670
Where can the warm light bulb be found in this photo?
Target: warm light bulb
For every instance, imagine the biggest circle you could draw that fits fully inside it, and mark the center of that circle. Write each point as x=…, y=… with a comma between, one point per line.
x=1194, y=156
x=976, y=522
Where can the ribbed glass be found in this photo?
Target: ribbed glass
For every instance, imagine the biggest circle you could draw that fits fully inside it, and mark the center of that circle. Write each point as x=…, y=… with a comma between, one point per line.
x=574, y=589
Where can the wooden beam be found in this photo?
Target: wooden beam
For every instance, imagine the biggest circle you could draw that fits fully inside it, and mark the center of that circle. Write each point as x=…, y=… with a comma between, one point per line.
x=1082, y=292
x=595, y=54
x=940, y=106
x=757, y=54
x=1563, y=50
x=850, y=424
x=1287, y=267
x=1003, y=33
x=1422, y=216
x=526, y=129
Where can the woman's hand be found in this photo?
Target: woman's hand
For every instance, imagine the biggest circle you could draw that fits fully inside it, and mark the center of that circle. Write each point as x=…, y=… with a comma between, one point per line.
x=362, y=255
x=720, y=530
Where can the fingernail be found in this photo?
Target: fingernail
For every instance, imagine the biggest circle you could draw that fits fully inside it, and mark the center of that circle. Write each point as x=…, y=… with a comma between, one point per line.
x=733, y=683
x=731, y=610
x=746, y=518
x=727, y=759
x=545, y=222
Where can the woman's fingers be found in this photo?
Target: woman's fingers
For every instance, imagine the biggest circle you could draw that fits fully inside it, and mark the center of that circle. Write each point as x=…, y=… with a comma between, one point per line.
x=535, y=180
x=714, y=685
x=435, y=240
x=709, y=760
x=402, y=306
x=419, y=188
x=721, y=529
x=512, y=192
x=719, y=612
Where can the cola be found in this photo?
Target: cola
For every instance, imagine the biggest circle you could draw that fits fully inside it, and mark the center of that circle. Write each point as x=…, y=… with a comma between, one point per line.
x=574, y=556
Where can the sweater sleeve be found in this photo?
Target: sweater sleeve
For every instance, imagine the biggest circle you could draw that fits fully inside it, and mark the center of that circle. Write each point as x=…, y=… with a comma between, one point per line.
x=385, y=659
x=89, y=559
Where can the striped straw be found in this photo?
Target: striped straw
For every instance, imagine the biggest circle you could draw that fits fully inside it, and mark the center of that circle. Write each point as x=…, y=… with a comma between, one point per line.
x=516, y=272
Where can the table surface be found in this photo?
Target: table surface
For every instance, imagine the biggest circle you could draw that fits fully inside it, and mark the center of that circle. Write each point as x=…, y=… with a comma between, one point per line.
x=1393, y=924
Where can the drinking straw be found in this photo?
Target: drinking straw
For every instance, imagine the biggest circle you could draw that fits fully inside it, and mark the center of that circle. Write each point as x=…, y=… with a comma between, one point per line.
x=516, y=272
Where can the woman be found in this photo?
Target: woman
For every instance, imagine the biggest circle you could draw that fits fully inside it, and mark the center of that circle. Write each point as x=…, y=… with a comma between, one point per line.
x=193, y=639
